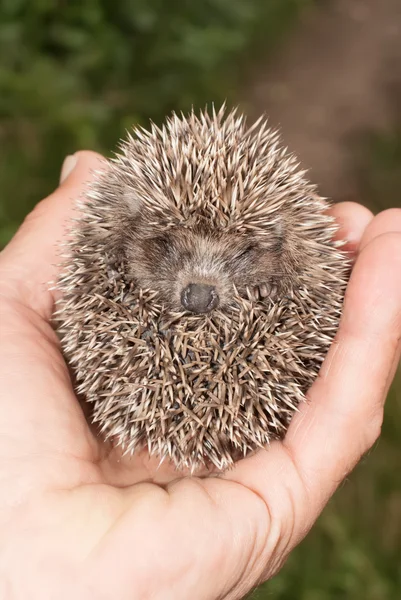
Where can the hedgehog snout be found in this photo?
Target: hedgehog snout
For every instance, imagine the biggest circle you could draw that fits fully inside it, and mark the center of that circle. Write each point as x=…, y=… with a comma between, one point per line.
x=199, y=298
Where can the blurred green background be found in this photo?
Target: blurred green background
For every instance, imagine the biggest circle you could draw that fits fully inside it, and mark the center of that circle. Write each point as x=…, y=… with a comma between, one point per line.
x=77, y=73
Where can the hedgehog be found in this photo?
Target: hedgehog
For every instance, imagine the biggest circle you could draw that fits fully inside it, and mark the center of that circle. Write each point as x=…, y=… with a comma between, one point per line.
x=200, y=292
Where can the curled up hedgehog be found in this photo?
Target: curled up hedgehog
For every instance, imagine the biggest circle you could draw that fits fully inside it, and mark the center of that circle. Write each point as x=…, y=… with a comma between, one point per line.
x=201, y=291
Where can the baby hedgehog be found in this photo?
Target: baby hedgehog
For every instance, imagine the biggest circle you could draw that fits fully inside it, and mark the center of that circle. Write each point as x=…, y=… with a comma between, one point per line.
x=201, y=291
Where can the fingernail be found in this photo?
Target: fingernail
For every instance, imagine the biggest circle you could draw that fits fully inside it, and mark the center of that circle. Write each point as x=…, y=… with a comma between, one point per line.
x=68, y=166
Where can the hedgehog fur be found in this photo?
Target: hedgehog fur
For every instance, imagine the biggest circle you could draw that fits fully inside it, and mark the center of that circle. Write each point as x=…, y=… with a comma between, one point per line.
x=201, y=290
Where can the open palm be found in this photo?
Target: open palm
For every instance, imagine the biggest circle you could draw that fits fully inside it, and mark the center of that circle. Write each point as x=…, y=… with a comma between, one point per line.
x=78, y=521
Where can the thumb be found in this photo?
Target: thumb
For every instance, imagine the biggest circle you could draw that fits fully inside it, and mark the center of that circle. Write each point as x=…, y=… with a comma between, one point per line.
x=28, y=263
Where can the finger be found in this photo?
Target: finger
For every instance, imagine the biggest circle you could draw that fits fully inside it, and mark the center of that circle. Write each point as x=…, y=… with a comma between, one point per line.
x=39, y=413
x=352, y=219
x=344, y=416
x=385, y=222
x=27, y=264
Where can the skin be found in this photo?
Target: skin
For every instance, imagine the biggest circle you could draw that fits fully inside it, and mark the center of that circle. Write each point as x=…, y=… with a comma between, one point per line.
x=79, y=522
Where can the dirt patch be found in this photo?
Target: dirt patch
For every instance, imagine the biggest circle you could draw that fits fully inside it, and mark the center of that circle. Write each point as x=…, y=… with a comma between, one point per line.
x=338, y=77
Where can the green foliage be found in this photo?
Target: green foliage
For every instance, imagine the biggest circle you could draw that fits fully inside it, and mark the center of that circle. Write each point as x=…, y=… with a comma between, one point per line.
x=380, y=168
x=75, y=74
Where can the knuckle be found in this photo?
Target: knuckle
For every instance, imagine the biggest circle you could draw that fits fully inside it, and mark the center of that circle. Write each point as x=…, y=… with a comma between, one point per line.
x=385, y=249
x=388, y=239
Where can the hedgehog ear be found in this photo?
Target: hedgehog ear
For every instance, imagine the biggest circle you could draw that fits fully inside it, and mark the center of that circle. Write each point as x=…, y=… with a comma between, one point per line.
x=275, y=238
x=131, y=199
x=279, y=229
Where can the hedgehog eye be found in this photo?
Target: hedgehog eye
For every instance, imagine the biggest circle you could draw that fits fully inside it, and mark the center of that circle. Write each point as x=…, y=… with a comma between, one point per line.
x=163, y=242
x=246, y=251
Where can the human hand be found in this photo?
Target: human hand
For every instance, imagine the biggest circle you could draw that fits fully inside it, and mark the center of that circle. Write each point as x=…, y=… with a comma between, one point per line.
x=78, y=522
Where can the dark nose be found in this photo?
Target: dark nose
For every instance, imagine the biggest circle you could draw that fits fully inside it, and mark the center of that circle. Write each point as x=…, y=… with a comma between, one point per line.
x=199, y=298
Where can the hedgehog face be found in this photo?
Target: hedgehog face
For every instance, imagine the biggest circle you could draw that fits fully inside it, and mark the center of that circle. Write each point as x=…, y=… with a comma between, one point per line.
x=199, y=268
